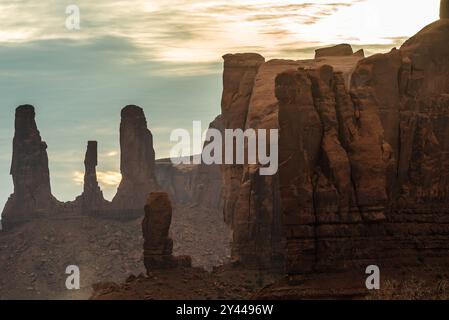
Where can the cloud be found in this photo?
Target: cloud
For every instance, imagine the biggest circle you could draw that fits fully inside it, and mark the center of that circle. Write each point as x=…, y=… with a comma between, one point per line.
x=173, y=31
x=106, y=179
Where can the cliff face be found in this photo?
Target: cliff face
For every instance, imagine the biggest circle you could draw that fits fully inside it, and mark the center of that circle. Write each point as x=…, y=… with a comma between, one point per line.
x=29, y=169
x=252, y=202
x=137, y=162
x=365, y=171
x=197, y=185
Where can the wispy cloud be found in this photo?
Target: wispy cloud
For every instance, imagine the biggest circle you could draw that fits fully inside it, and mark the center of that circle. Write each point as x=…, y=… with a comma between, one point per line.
x=106, y=179
x=193, y=31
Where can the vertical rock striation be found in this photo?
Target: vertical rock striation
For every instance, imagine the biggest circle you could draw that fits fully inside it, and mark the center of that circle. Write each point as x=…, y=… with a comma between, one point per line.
x=238, y=81
x=365, y=170
x=29, y=169
x=137, y=162
x=253, y=205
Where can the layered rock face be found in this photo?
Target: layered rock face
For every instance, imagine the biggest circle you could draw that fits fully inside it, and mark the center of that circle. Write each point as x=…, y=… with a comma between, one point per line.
x=32, y=196
x=364, y=171
x=444, y=9
x=137, y=162
x=252, y=203
x=91, y=200
x=158, y=246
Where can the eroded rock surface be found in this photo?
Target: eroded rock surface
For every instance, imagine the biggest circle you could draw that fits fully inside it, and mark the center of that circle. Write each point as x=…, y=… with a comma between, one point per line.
x=365, y=170
x=91, y=200
x=252, y=202
x=158, y=246
x=32, y=196
x=137, y=162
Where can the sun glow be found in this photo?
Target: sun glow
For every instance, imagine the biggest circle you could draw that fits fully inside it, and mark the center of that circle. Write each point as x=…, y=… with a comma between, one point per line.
x=106, y=179
x=192, y=31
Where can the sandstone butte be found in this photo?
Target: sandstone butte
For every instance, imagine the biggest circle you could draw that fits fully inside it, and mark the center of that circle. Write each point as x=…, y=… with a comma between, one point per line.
x=363, y=157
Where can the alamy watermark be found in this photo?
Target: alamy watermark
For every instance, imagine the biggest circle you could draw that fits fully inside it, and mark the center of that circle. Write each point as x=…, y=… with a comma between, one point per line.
x=73, y=19
x=373, y=280
x=233, y=146
x=73, y=280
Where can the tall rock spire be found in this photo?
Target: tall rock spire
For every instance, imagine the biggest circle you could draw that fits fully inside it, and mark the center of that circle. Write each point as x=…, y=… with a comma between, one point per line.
x=29, y=169
x=92, y=200
x=137, y=162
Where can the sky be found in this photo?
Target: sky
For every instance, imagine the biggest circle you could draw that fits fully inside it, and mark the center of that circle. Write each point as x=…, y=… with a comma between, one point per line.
x=164, y=56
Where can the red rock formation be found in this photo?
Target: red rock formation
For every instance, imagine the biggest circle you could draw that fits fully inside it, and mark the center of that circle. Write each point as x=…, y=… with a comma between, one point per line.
x=238, y=80
x=91, y=200
x=340, y=50
x=364, y=172
x=158, y=246
x=444, y=9
x=136, y=162
x=32, y=196
x=252, y=202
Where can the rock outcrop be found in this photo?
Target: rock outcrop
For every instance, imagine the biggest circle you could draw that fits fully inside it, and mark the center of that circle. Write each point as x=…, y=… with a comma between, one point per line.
x=238, y=80
x=444, y=9
x=137, y=162
x=32, y=196
x=341, y=50
x=252, y=202
x=91, y=200
x=365, y=169
x=158, y=246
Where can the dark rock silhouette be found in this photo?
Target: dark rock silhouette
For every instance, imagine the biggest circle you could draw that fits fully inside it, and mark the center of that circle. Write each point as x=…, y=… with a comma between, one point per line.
x=158, y=246
x=91, y=200
x=340, y=50
x=360, y=53
x=32, y=196
x=137, y=162
x=444, y=9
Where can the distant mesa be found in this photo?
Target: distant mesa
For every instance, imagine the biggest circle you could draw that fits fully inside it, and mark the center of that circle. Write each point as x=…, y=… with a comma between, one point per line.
x=444, y=9
x=341, y=50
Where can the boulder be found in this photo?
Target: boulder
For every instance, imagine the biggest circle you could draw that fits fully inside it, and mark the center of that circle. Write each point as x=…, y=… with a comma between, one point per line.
x=158, y=246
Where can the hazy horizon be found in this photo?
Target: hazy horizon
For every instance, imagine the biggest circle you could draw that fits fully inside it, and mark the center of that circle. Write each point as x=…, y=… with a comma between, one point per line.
x=165, y=58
